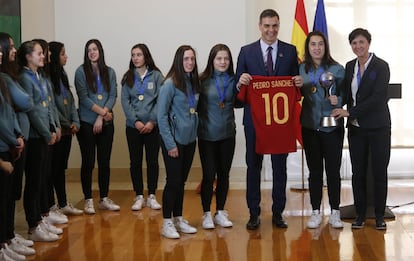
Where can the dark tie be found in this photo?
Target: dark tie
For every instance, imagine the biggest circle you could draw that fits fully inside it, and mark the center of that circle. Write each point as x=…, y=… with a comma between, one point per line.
x=269, y=62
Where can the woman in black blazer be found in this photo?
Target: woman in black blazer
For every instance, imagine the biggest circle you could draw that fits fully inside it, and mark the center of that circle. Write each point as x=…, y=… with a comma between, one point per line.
x=369, y=125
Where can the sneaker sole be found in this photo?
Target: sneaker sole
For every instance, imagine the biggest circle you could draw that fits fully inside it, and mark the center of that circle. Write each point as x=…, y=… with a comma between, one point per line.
x=166, y=236
x=357, y=227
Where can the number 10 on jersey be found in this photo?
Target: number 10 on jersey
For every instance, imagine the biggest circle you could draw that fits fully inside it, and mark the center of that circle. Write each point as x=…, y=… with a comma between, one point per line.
x=271, y=108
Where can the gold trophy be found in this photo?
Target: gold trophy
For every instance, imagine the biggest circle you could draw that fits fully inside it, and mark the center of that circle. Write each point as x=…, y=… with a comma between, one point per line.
x=326, y=80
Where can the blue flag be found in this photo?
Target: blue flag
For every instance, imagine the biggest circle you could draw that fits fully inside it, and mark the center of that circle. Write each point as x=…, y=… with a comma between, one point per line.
x=319, y=23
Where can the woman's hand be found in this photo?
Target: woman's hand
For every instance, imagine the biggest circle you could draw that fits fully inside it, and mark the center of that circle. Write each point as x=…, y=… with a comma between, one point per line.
x=6, y=166
x=139, y=126
x=53, y=139
x=333, y=99
x=297, y=80
x=173, y=153
x=148, y=127
x=97, y=126
x=339, y=113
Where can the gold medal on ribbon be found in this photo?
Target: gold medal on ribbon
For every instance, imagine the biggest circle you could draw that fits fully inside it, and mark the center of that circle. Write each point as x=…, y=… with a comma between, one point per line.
x=221, y=105
x=100, y=97
x=192, y=110
x=44, y=104
x=313, y=89
x=140, y=97
x=65, y=101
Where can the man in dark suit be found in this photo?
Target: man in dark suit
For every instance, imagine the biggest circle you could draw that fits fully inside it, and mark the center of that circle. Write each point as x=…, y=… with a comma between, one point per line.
x=266, y=57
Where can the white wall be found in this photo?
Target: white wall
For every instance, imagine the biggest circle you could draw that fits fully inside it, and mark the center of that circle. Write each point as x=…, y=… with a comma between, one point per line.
x=164, y=25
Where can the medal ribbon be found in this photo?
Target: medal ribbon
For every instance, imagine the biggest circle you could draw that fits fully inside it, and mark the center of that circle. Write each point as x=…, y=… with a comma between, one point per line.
x=191, y=98
x=42, y=90
x=222, y=95
x=358, y=76
x=314, y=77
x=63, y=90
x=99, y=84
x=141, y=85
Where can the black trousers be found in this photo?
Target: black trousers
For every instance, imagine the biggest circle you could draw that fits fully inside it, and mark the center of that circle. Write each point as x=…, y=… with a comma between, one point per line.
x=101, y=146
x=216, y=158
x=18, y=174
x=136, y=143
x=60, y=156
x=6, y=203
x=47, y=199
x=324, y=151
x=177, y=172
x=254, y=167
x=35, y=185
x=17, y=181
x=369, y=146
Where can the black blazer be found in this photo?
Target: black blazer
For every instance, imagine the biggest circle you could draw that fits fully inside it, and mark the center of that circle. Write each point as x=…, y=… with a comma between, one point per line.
x=371, y=108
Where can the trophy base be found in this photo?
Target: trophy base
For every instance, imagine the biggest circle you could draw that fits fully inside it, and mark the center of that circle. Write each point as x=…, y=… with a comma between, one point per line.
x=328, y=121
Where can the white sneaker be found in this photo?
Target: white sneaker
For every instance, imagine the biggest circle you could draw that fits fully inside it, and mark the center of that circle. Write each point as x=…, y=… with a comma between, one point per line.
x=138, y=203
x=152, y=202
x=182, y=225
x=335, y=219
x=221, y=218
x=169, y=230
x=69, y=209
x=3, y=256
x=89, y=208
x=13, y=255
x=315, y=219
x=38, y=234
x=207, y=221
x=56, y=217
x=107, y=204
x=24, y=241
x=46, y=226
x=21, y=249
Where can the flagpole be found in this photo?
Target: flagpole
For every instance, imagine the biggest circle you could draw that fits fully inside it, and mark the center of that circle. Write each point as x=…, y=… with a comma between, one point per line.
x=299, y=33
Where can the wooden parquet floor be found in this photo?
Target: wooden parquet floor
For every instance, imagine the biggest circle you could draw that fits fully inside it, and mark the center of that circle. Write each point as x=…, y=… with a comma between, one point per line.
x=128, y=235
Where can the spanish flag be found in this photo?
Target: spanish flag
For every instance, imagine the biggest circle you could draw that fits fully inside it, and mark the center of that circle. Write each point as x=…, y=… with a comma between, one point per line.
x=299, y=33
x=300, y=29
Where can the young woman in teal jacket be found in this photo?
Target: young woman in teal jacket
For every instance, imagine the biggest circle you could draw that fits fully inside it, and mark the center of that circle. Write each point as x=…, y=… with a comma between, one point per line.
x=95, y=84
x=140, y=87
x=216, y=132
x=69, y=122
x=178, y=121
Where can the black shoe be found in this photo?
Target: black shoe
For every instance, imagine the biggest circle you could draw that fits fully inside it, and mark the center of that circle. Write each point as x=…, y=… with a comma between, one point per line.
x=277, y=219
x=380, y=224
x=358, y=223
x=254, y=223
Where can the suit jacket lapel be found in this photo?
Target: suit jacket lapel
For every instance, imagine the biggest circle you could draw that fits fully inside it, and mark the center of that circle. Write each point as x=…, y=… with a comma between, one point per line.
x=279, y=56
x=259, y=57
x=370, y=67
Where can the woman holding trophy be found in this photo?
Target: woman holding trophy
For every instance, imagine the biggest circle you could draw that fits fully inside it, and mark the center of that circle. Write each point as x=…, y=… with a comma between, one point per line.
x=322, y=134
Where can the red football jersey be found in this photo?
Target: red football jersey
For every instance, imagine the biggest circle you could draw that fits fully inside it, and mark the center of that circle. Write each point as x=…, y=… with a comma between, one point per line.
x=272, y=101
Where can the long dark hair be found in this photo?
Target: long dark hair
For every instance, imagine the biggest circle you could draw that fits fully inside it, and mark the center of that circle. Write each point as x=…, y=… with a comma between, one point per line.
x=327, y=60
x=177, y=73
x=45, y=70
x=26, y=48
x=4, y=92
x=149, y=62
x=57, y=72
x=7, y=66
x=210, y=63
x=103, y=69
